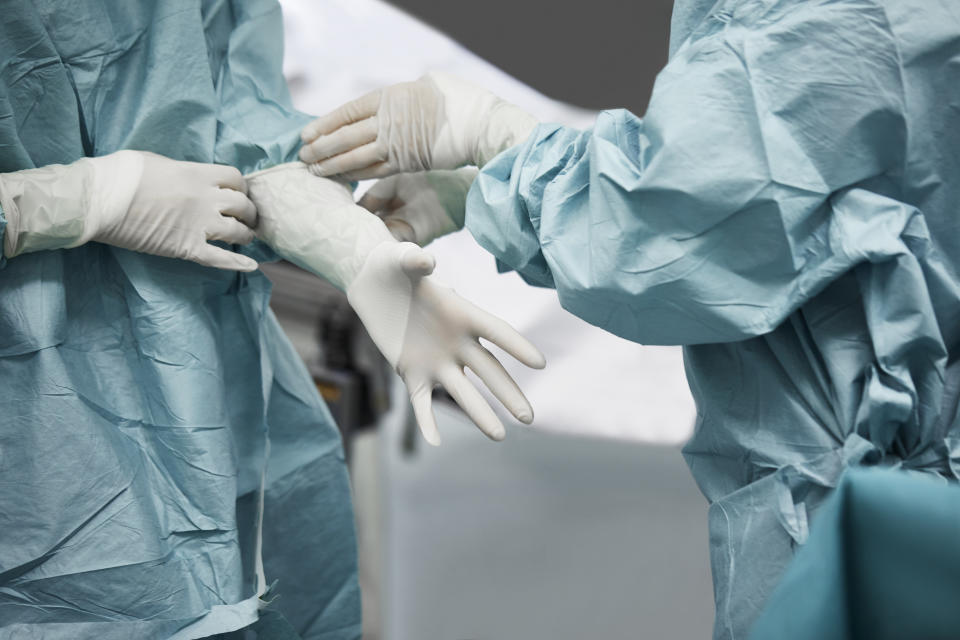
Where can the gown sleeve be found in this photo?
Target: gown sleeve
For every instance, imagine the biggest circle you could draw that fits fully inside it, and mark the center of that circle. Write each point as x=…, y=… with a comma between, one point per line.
x=257, y=124
x=762, y=171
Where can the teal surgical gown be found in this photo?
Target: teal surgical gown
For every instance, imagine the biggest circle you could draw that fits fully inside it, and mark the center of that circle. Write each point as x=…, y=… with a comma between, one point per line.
x=881, y=563
x=789, y=210
x=145, y=401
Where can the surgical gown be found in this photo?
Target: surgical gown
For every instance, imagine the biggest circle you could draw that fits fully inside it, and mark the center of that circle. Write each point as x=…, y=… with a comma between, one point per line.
x=788, y=210
x=145, y=401
x=881, y=564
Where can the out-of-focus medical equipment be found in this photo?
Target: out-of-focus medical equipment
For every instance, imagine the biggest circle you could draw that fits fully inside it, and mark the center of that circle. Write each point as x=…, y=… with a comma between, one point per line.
x=426, y=331
x=348, y=370
x=132, y=200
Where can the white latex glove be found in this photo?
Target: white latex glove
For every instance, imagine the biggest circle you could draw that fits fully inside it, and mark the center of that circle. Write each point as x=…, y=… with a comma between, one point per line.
x=437, y=122
x=421, y=207
x=425, y=331
x=131, y=199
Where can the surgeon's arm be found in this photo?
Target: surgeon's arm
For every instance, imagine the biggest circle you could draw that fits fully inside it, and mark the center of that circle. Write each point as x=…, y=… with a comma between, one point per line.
x=130, y=199
x=751, y=184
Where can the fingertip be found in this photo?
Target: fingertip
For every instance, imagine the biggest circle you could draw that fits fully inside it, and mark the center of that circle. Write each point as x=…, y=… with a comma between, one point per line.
x=529, y=355
x=313, y=130
x=539, y=361
x=308, y=155
x=417, y=262
x=517, y=404
x=428, y=424
x=248, y=236
x=247, y=265
x=241, y=185
x=432, y=439
x=218, y=258
x=427, y=262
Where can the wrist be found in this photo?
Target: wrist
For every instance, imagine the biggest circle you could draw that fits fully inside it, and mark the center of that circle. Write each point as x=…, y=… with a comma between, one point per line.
x=478, y=124
x=114, y=179
x=506, y=126
x=336, y=246
x=449, y=189
x=368, y=233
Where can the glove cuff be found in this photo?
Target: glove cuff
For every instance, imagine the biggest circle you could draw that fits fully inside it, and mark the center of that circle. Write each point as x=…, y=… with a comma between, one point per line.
x=478, y=125
x=11, y=214
x=448, y=190
x=64, y=206
x=45, y=208
x=506, y=126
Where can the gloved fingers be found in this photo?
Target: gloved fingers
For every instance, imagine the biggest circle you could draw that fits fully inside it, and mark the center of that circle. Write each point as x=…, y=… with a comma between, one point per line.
x=373, y=172
x=356, y=162
x=340, y=141
x=212, y=256
x=237, y=205
x=416, y=262
x=353, y=111
x=230, y=230
x=472, y=402
x=489, y=327
x=229, y=178
x=501, y=384
x=380, y=194
x=401, y=230
x=421, y=397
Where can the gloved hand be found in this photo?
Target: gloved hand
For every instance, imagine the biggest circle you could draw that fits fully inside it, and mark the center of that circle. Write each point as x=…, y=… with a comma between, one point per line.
x=437, y=122
x=425, y=331
x=421, y=207
x=131, y=199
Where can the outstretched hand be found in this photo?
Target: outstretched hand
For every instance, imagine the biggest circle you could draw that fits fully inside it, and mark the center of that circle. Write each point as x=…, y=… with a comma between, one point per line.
x=429, y=334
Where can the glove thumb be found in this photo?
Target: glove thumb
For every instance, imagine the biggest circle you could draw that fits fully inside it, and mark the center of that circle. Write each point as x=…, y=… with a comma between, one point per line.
x=416, y=262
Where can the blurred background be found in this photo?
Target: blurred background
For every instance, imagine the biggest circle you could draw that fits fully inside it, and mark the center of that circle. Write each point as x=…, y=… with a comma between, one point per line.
x=586, y=525
x=599, y=56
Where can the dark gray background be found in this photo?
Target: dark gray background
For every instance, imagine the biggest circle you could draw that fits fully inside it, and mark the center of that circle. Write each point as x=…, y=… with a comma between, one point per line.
x=599, y=54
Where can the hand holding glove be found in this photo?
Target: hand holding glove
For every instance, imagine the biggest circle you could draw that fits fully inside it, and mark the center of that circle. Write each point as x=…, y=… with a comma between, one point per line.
x=130, y=199
x=421, y=207
x=425, y=331
x=436, y=122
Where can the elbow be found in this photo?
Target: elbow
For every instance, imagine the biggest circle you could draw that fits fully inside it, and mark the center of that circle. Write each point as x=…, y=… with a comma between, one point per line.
x=675, y=313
